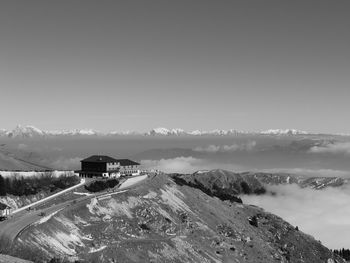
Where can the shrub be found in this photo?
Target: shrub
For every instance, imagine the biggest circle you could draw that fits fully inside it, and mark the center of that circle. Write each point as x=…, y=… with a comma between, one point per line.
x=19, y=185
x=245, y=188
x=98, y=186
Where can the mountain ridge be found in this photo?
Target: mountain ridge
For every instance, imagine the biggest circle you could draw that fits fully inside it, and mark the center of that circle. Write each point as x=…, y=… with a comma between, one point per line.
x=30, y=131
x=163, y=221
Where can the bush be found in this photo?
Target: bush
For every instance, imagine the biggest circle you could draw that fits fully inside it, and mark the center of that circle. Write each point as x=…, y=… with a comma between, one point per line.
x=98, y=186
x=253, y=221
x=19, y=185
x=245, y=188
x=144, y=227
x=260, y=191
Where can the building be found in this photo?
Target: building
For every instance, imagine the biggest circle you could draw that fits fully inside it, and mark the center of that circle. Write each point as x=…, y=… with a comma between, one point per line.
x=5, y=210
x=108, y=167
x=128, y=167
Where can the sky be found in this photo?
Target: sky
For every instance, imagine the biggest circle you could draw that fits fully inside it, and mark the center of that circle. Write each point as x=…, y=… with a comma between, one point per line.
x=136, y=65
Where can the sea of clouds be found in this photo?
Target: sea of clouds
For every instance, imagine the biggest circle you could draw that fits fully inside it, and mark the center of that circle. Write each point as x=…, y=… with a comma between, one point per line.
x=322, y=213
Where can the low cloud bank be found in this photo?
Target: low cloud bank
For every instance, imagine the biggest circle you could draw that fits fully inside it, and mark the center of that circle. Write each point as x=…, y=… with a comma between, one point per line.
x=187, y=165
x=324, y=213
x=333, y=148
x=248, y=146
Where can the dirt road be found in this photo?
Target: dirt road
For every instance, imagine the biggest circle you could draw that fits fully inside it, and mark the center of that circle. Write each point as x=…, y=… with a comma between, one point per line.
x=82, y=182
x=11, y=228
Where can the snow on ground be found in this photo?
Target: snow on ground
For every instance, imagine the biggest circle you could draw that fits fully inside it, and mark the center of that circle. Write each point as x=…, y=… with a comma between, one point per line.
x=46, y=218
x=86, y=194
x=133, y=180
x=63, y=237
x=150, y=195
x=113, y=208
x=186, y=250
x=164, y=213
x=93, y=250
x=42, y=241
x=172, y=197
x=79, y=220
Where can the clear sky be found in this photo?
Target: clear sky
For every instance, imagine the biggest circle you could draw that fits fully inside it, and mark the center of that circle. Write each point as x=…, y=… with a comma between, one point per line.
x=136, y=65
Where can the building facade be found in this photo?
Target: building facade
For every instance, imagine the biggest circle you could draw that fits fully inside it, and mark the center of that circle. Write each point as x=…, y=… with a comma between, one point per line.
x=129, y=168
x=107, y=167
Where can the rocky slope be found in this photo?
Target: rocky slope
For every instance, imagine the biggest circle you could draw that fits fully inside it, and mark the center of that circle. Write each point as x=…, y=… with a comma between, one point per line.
x=9, y=259
x=223, y=184
x=232, y=182
x=165, y=221
x=10, y=162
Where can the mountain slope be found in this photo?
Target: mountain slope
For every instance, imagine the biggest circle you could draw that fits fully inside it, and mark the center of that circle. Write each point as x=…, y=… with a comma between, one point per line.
x=11, y=162
x=9, y=259
x=221, y=183
x=317, y=183
x=161, y=221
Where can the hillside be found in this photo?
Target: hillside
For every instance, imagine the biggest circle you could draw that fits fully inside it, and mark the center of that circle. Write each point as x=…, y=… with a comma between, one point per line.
x=232, y=182
x=316, y=183
x=11, y=162
x=162, y=221
x=221, y=183
x=9, y=259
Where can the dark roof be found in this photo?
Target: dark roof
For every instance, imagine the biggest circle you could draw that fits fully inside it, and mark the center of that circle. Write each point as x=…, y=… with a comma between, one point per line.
x=100, y=159
x=3, y=206
x=127, y=162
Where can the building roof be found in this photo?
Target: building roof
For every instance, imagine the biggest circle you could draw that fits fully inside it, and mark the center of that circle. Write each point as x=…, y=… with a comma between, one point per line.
x=127, y=162
x=100, y=159
x=3, y=206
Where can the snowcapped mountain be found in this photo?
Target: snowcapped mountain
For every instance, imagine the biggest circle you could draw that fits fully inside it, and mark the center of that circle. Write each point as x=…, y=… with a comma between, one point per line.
x=31, y=131
x=3, y=132
x=284, y=132
x=166, y=132
x=123, y=133
x=75, y=132
x=178, y=132
x=25, y=132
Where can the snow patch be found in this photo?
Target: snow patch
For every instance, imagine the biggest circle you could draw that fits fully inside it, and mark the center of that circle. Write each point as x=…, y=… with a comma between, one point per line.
x=86, y=194
x=164, y=213
x=93, y=250
x=150, y=195
x=63, y=238
x=46, y=218
x=79, y=220
x=172, y=197
x=112, y=208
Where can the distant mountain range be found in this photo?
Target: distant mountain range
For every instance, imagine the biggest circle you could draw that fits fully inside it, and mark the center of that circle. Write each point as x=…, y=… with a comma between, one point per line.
x=32, y=132
x=220, y=179
x=317, y=183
